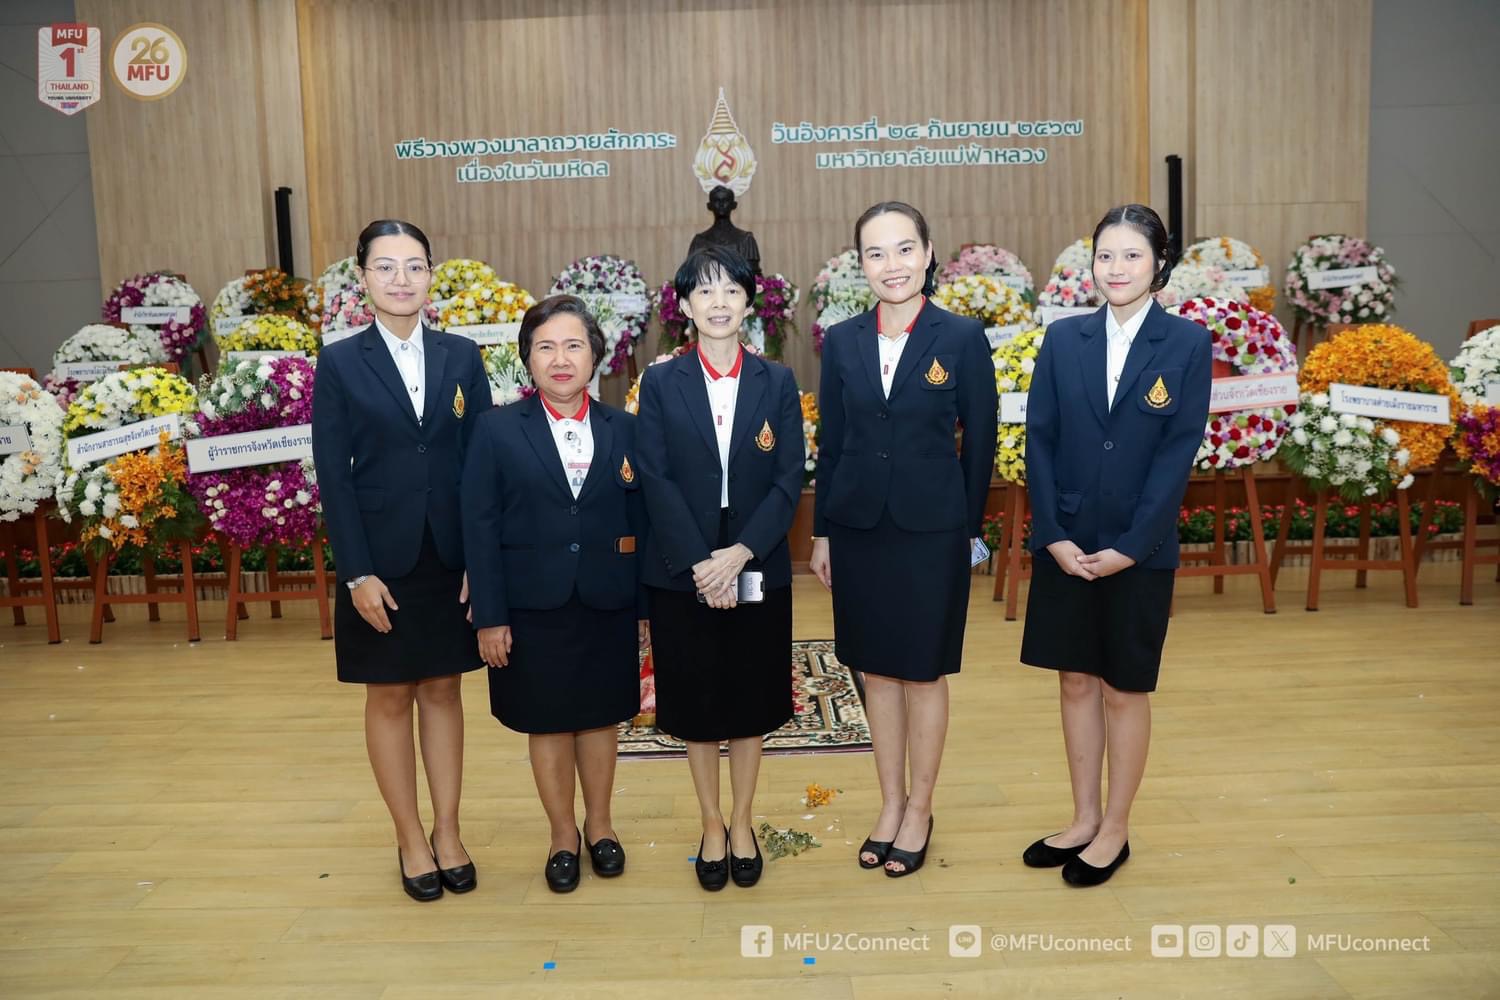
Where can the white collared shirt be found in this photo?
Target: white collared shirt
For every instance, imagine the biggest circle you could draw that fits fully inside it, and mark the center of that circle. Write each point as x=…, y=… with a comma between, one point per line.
x=410, y=362
x=722, y=394
x=891, y=349
x=1120, y=338
x=575, y=445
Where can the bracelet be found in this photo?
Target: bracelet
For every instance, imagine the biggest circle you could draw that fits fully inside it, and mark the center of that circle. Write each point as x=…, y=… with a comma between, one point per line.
x=354, y=583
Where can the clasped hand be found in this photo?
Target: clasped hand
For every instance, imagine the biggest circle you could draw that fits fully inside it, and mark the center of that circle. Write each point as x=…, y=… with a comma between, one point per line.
x=715, y=577
x=1088, y=565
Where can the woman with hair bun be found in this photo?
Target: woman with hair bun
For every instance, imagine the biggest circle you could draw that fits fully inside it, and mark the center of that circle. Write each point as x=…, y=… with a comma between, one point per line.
x=393, y=407
x=1114, y=417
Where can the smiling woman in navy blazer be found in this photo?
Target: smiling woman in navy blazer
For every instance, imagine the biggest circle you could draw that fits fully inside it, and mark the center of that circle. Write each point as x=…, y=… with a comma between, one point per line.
x=552, y=519
x=721, y=449
x=899, y=503
x=1114, y=417
x=392, y=409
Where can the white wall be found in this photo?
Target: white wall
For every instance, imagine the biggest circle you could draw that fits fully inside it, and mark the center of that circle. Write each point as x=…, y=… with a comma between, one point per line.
x=1435, y=161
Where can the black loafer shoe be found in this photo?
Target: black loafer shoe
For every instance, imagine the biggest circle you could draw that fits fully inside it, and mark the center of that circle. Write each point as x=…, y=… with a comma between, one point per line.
x=423, y=888
x=1044, y=855
x=607, y=857
x=463, y=878
x=713, y=875
x=1080, y=873
x=746, y=871
x=562, y=869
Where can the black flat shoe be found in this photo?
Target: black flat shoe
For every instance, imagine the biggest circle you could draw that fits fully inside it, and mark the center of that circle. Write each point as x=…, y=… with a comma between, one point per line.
x=1044, y=855
x=910, y=860
x=607, y=857
x=463, y=878
x=562, y=869
x=746, y=871
x=1080, y=873
x=423, y=888
x=879, y=848
x=713, y=875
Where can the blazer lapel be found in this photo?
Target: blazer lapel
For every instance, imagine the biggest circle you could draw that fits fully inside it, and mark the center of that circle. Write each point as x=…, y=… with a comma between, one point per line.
x=602, y=467
x=539, y=433
x=747, y=403
x=435, y=359
x=695, y=396
x=869, y=351
x=379, y=360
x=1093, y=362
x=918, y=345
x=1142, y=351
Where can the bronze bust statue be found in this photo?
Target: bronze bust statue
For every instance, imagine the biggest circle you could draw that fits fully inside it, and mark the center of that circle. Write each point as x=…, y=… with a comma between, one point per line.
x=725, y=233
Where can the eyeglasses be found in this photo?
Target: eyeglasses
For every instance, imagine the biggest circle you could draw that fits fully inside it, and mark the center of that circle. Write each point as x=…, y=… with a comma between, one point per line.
x=385, y=271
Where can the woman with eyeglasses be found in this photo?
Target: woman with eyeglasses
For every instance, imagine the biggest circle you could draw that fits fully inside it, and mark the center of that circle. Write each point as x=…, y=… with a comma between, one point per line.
x=393, y=407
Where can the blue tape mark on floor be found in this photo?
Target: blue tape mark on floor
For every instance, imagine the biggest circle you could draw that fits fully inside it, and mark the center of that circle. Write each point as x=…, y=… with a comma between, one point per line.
x=549, y=965
x=809, y=960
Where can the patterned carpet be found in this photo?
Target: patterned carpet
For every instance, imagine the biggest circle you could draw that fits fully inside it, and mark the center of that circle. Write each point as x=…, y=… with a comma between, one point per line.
x=828, y=712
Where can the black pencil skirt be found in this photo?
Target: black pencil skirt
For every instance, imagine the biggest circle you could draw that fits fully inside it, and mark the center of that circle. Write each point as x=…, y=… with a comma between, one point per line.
x=429, y=636
x=1113, y=627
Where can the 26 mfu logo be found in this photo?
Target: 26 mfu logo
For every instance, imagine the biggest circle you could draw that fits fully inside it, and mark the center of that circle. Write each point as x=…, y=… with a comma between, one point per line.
x=149, y=61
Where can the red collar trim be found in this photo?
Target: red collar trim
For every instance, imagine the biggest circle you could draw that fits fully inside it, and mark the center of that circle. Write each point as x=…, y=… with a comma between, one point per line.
x=582, y=410
x=734, y=372
x=910, y=325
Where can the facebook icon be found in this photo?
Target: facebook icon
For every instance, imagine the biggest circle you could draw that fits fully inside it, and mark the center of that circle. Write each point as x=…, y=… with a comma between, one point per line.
x=756, y=941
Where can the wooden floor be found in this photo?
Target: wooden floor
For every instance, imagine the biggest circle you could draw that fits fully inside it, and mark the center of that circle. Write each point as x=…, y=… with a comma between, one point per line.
x=199, y=821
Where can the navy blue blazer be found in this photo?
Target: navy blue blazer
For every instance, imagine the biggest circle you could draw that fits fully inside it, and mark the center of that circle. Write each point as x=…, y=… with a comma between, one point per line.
x=383, y=476
x=1114, y=477
x=529, y=543
x=898, y=454
x=680, y=471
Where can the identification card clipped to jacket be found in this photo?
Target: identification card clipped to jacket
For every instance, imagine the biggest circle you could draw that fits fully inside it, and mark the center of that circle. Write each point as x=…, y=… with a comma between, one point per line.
x=978, y=553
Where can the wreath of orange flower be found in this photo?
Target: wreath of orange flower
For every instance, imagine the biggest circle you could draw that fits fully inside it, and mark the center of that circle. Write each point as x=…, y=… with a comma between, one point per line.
x=1382, y=356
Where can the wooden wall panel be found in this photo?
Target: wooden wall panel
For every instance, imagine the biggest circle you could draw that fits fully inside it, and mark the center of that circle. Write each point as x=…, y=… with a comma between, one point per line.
x=465, y=68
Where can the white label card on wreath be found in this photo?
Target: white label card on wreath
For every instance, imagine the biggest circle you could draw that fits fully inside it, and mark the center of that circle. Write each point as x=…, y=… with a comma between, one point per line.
x=235, y=451
x=628, y=304
x=1013, y=407
x=1389, y=404
x=1014, y=282
x=486, y=334
x=1492, y=394
x=14, y=439
x=155, y=315
x=1051, y=314
x=89, y=448
x=1342, y=277
x=1253, y=392
x=89, y=371
x=237, y=356
x=225, y=325
x=1254, y=277
x=999, y=336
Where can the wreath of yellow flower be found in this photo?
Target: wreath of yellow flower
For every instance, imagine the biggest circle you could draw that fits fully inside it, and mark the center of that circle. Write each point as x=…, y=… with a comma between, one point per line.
x=1014, y=363
x=488, y=301
x=140, y=392
x=983, y=298
x=270, y=333
x=456, y=274
x=1383, y=356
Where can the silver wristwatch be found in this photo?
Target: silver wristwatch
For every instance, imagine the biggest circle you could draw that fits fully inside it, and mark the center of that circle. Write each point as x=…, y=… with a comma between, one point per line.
x=354, y=583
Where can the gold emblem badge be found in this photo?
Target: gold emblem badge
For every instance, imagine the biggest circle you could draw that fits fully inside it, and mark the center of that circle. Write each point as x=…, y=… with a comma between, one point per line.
x=626, y=472
x=765, y=440
x=458, y=402
x=937, y=374
x=1158, y=396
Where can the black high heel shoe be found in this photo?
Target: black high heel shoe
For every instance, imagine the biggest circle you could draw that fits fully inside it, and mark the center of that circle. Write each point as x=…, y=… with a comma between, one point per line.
x=910, y=860
x=1079, y=872
x=562, y=869
x=606, y=856
x=746, y=871
x=460, y=878
x=713, y=875
x=422, y=888
x=879, y=848
x=1043, y=855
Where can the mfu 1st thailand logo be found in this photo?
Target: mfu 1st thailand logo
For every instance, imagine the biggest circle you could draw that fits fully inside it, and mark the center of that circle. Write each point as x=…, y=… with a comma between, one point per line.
x=149, y=61
x=67, y=67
